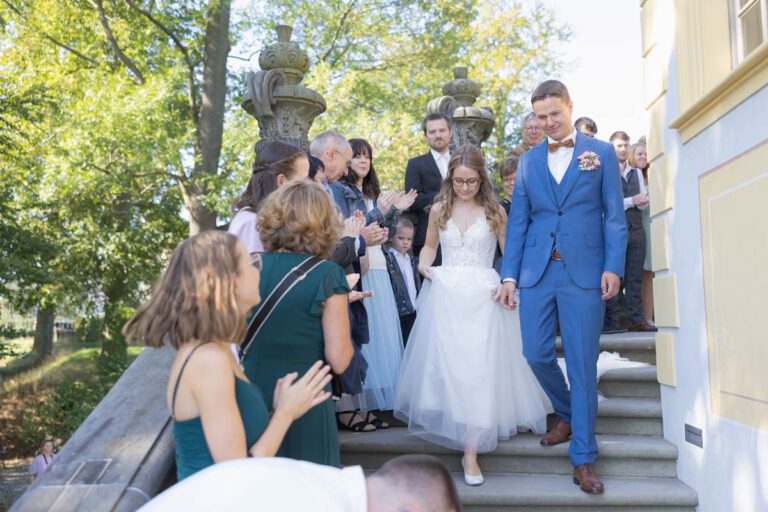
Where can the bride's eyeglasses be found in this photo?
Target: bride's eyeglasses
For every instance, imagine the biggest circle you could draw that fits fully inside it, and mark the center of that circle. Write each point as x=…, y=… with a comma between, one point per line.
x=471, y=182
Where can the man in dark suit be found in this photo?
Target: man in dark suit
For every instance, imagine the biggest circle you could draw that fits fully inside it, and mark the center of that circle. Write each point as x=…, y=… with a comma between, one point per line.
x=426, y=173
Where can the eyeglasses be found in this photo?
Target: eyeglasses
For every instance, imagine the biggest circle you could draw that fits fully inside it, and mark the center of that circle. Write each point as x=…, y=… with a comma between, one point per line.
x=532, y=128
x=510, y=179
x=471, y=182
x=256, y=262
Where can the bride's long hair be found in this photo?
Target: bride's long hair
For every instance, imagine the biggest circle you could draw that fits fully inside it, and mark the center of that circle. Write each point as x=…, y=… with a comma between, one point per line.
x=471, y=157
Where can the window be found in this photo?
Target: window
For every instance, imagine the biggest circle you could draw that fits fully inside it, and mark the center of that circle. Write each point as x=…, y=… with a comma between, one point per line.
x=749, y=26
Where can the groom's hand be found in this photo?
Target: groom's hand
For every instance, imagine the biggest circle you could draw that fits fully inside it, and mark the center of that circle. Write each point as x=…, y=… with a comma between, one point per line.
x=508, y=290
x=609, y=285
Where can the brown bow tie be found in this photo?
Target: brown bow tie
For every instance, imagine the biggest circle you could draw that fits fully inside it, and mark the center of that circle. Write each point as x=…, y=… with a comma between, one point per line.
x=567, y=143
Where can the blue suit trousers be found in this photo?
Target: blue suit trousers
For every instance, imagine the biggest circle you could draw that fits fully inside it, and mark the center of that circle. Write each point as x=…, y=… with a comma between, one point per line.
x=581, y=314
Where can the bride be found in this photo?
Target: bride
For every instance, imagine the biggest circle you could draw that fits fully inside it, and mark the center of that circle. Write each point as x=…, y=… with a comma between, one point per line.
x=464, y=382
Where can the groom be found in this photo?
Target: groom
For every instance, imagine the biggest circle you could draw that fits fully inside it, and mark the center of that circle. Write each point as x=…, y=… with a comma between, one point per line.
x=565, y=247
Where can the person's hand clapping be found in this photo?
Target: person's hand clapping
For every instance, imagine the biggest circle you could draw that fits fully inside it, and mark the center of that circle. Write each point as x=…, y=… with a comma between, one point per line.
x=385, y=200
x=293, y=398
x=353, y=226
x=405, y=200
x=355, y=295
x=373, y=234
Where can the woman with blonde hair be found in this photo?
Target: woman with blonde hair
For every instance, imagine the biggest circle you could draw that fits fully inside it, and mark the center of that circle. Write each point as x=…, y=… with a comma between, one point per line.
x=199, y=306
x=300, y=227
x=464, y=382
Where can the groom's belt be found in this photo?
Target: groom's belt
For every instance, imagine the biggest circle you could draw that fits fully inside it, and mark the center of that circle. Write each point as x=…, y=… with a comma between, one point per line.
x=556, y=255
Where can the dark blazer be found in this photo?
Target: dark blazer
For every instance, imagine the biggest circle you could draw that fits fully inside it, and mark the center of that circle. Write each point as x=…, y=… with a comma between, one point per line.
x=399, y=288
x=422, y=174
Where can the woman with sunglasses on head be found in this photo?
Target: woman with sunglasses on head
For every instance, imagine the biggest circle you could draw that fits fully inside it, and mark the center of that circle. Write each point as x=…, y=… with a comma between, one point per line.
x=199, y=306
x=276, y=164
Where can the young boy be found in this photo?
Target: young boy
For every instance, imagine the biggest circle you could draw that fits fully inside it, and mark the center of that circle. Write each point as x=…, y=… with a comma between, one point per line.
x=405, y=279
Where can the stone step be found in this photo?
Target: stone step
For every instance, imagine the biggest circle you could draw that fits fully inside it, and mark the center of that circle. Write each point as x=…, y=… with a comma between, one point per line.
x=557, y=493
x=629, y=416
x=635, y=346
x=638, y=456
x=637, y=382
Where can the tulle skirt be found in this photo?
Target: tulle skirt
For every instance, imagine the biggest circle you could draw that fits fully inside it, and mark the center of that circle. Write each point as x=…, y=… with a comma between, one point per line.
x=384, y=350
x=464, y=381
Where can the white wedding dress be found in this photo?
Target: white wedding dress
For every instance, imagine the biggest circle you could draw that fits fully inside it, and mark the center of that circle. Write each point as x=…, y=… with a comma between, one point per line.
x=464, y=381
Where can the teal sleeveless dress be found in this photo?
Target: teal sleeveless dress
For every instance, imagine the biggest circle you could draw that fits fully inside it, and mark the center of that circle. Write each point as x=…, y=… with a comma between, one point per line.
x=192, y=453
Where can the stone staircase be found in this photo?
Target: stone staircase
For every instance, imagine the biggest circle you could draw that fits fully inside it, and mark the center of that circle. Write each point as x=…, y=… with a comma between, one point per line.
x=636, y=463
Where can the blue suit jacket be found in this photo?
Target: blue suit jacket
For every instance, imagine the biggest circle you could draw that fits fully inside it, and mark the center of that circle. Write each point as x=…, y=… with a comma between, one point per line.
x=586, y=220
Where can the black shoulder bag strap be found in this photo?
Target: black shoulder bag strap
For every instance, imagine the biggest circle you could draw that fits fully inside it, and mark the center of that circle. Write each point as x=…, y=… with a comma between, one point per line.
x=296, y=274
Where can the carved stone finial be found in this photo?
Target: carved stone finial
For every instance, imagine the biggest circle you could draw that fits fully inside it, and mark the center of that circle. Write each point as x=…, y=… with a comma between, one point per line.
x=471, y=125
x=286, y=56
x=284, y=108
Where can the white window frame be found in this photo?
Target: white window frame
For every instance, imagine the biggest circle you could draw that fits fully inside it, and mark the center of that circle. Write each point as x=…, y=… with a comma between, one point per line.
x=737, y=39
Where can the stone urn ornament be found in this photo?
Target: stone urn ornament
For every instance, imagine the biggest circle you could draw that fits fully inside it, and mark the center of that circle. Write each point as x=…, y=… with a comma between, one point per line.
x=283, y=107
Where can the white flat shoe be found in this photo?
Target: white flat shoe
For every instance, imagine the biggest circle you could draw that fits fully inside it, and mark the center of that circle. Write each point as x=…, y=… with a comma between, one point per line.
x=472, y=480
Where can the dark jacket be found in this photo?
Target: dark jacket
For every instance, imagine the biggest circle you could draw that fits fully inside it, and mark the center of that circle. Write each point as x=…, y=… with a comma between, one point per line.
x=399, y=288
x=422, y=175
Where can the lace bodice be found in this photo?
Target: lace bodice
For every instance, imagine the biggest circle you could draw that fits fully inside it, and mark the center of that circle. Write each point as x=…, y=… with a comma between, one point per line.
x=475, y=248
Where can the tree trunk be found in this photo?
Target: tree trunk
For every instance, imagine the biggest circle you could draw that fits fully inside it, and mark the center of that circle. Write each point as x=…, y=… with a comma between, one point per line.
x=43, y=345
x=211, y=126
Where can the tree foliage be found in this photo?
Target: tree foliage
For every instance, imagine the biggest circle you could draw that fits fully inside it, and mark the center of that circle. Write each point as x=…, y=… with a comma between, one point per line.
x=119, y=122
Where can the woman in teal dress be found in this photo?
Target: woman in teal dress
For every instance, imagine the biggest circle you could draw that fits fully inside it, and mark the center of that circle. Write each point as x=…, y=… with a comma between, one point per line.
x=199, y=306
x=296, y=222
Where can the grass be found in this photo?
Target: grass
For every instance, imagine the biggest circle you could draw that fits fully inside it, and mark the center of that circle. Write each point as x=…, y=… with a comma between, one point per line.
x=18, y=346
x=64, y=367
x=70, y=380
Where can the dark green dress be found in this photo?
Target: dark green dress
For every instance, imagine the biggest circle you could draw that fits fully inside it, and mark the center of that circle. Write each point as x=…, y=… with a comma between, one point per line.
x=192, y=453
x=291, y=340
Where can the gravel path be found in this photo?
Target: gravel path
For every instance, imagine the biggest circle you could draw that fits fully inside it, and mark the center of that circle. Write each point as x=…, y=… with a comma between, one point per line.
x=13, y=482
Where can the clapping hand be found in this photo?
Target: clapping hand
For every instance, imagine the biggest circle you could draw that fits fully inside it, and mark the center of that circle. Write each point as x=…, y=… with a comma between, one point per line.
x=353, y=226
x=385, y=200
x=293, y=398
x=355, y=295
x=641, y=200
x=373, y=234
x=405, y=200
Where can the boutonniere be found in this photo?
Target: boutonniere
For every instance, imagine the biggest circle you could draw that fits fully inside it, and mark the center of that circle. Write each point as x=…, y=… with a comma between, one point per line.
x=588, y=161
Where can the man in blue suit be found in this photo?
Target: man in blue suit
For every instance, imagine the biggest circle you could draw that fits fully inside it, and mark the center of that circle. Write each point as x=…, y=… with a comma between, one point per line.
x=565, y=248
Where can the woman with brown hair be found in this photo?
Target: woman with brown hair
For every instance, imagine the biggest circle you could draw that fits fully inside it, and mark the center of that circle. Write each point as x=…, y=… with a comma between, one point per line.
x=199, y=306
x=276, y=164
x=298, y=222
x=638, y=158
x=464, y=383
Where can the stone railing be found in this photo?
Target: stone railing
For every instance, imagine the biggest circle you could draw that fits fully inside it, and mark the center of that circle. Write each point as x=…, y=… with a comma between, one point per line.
x=123, y=453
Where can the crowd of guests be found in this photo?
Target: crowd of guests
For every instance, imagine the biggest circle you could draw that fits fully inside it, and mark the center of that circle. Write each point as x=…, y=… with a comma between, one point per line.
x=293, y=324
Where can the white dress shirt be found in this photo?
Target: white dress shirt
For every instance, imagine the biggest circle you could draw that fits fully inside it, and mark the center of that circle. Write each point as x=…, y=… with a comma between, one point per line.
x=268, y=484
x=441, y=159
x=404, y=262
x=628, y=200
x=560, y=159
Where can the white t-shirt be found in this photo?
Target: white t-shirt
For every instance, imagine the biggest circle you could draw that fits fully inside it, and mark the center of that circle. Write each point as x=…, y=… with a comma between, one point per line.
x=243, y=226
x=266, y=484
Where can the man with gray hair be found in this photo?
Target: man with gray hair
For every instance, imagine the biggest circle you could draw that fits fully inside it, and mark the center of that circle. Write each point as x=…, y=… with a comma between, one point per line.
x=335, y=152
x=532, y=134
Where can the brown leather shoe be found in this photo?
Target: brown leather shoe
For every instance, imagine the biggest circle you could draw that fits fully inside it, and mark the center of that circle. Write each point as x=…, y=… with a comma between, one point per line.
x=585, y=477
x=560, y=433
x=642, y=327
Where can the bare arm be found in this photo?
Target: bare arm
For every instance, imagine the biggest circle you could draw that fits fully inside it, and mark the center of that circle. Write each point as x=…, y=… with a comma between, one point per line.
x=338, y=344
x=502, y=229
x=213, y=388
x=431, y=242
